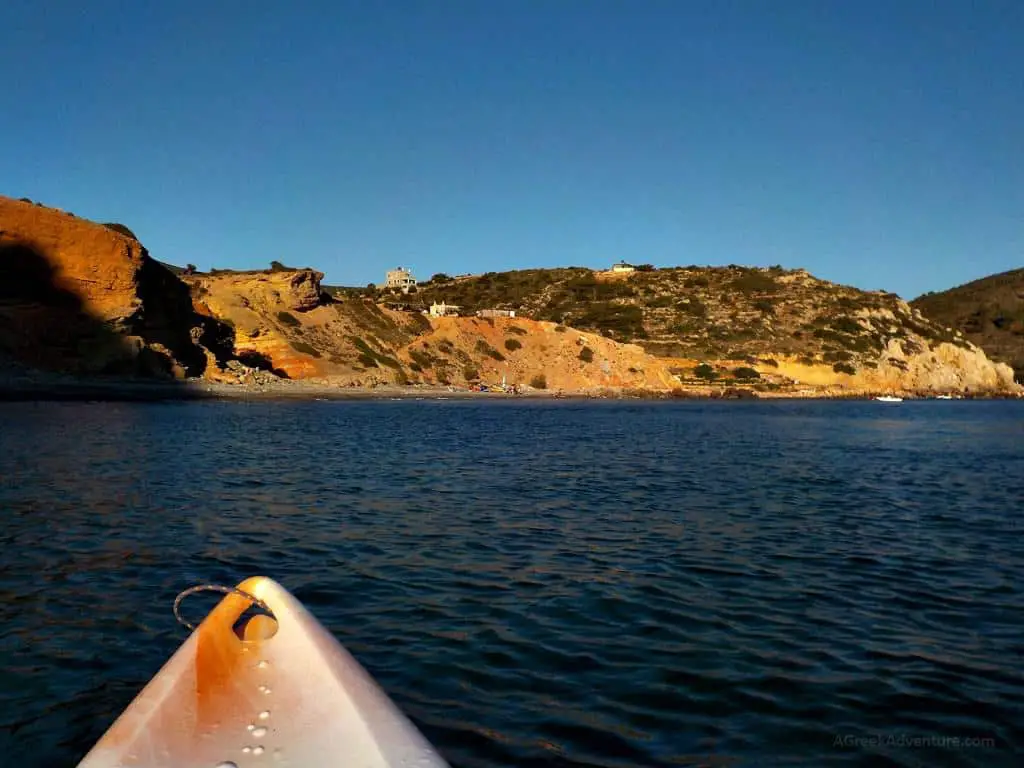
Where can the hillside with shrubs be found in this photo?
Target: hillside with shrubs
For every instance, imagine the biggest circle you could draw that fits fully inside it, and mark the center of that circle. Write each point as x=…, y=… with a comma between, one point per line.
x=709, y=313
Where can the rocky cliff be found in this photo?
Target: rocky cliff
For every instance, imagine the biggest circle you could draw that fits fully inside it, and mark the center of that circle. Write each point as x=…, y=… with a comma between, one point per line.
x=989, y=312
x=943, y=369
x=79, y=296
x=71, y=256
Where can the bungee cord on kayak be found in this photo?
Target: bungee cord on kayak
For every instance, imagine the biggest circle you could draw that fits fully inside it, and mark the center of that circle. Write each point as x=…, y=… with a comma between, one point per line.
x=214, y=588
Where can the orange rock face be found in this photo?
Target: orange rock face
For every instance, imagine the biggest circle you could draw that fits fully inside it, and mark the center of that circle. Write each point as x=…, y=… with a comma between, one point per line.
x=99, y=266
x=80, y=297
x=303, y=290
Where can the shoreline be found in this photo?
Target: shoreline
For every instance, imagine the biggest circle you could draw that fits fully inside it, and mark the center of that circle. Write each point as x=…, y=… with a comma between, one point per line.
x=36, y=387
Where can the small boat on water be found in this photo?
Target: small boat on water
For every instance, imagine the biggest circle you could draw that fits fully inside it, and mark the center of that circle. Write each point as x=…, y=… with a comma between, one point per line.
x=944, y=397
x=889, y=399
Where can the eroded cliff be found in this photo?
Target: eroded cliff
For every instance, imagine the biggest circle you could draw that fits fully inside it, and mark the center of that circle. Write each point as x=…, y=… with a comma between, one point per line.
x=81, y=297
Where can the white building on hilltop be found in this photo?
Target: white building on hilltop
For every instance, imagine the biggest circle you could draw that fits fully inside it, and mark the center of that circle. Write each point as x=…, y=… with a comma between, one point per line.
x=443, y=310
x=400, y=278
x=622, y=266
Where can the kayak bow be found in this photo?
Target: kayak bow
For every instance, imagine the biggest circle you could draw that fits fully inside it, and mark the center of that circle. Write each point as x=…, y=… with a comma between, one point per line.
x=275, y=691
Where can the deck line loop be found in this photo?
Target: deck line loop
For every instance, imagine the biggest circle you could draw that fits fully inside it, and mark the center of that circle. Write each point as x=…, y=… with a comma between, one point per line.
x=214, y=588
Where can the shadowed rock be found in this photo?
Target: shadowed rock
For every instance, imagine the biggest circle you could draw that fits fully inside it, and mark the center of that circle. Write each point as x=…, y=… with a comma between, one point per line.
x=79, y=297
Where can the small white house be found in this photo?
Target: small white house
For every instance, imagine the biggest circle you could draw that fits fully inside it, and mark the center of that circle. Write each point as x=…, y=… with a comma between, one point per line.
x=622, y=266
x=495, y=313
x=443, y=310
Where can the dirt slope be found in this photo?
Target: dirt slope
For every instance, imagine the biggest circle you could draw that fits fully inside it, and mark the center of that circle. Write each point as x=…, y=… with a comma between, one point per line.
x=531, y=353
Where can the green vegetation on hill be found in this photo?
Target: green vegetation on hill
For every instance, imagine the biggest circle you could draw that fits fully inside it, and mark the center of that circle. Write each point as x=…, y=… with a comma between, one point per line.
x=731, y=312
x=275, y=266
x=495, y=290
x=989, y=312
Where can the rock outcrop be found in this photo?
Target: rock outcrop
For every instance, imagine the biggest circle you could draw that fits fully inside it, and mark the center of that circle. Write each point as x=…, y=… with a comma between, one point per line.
x=80, y=258
x=989, y=312
x=80, y=297
x=270, y=313
x=944, y=369
x=301, y=289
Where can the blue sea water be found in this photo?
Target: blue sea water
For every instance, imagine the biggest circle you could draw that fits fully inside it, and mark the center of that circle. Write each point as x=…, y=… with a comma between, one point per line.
x=543, y=583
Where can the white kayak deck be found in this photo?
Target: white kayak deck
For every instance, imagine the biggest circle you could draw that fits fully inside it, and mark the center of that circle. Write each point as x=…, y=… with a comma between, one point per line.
x=286, y=695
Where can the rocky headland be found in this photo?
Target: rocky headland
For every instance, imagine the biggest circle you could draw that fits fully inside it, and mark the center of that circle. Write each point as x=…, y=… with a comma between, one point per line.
x=85, y=310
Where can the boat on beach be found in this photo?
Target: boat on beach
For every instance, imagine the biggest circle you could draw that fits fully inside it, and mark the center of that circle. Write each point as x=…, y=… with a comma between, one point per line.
x=889, y=399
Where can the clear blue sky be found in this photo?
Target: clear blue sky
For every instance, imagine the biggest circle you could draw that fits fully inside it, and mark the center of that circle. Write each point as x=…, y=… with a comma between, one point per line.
x=876, y=143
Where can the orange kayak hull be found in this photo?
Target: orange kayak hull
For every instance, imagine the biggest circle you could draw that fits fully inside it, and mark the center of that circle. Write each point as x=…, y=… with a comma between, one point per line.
x=281, y=691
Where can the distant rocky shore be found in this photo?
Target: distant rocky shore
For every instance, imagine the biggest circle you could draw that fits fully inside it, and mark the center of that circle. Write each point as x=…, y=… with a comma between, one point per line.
x=20, y=384
x=86, y=303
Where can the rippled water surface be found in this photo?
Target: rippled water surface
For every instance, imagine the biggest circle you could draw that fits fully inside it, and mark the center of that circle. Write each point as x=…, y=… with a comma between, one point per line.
x=543, y=583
